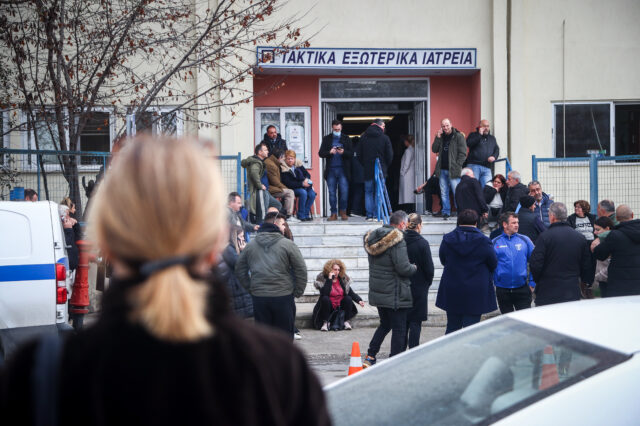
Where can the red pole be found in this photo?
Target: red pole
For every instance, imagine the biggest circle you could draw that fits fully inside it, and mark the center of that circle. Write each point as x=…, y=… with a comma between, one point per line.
x=79, y=303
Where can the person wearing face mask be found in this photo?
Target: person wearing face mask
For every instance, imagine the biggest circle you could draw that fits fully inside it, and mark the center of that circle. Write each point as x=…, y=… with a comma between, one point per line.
x=337, y=149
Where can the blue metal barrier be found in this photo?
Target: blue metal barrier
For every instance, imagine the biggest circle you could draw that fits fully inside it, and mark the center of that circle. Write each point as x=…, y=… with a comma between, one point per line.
x=595, y=177
x=383, y=204
x=507, y=163
x=28, y=163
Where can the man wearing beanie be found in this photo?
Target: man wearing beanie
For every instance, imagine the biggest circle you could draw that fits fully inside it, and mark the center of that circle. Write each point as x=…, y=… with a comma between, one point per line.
x=530, y=223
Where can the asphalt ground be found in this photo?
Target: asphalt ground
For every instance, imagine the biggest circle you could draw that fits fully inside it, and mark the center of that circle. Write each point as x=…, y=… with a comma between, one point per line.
x=328, y=352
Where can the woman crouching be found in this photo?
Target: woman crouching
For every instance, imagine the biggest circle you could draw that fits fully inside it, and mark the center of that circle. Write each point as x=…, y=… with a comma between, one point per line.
x=335, y=293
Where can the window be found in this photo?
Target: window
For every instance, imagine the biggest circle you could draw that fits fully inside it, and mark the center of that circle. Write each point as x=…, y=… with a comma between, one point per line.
x=474, y=377
x=588, y=127
x=159, y=121
x=96, y=136
x=609, y=128
x=296, y=125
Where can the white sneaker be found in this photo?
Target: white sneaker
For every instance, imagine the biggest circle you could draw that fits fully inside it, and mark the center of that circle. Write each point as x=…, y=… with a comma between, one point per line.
x=297, y=336
x=347, y=326
x=325, y=326
x=293, y=219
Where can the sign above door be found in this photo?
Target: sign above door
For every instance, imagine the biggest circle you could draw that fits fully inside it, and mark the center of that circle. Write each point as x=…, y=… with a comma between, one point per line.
x=355, y=59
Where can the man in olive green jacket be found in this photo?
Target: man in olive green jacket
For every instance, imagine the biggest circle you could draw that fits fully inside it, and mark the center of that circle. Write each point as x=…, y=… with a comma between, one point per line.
x=259, y=198
x=389, y=284
x=451, y=148
x=277, y=271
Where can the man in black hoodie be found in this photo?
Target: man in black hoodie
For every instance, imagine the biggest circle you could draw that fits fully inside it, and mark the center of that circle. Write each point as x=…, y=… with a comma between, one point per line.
x=623, y=245
x=373, y=144
x=274, y=141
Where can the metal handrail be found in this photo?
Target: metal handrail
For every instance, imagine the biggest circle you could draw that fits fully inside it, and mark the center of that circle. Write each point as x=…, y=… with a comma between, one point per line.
x=383, y=204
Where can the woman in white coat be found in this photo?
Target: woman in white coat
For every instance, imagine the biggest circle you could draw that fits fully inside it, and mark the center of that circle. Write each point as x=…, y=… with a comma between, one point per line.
x=406, y=197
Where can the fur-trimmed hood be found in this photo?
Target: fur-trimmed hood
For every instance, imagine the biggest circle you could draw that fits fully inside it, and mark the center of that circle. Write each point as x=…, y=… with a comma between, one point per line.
x=379, y=240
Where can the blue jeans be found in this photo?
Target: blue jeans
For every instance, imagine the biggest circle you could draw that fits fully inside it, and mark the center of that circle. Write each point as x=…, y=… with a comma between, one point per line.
x=445, y=184
x=306, y=197
x=482, y=173
x=337, y=182
x=370, y=197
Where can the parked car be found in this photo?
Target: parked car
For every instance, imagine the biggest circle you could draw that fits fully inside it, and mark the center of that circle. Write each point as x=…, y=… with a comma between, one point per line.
x=570, y=363
x=34, y=286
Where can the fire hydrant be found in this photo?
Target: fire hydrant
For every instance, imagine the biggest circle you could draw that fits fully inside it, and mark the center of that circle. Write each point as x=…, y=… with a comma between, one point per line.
x=79, y=303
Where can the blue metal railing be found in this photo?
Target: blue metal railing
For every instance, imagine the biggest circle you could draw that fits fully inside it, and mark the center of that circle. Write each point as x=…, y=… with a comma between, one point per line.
x=507, y=165
x=383, y=204
x=593, y=162
x=29, y=163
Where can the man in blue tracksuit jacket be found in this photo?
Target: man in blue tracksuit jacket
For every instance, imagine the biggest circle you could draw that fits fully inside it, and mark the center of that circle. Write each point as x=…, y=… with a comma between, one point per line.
x=511, y=277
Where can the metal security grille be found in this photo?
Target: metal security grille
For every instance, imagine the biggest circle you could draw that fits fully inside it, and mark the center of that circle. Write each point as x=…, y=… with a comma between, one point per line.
x=42, y=171
x=593, y=178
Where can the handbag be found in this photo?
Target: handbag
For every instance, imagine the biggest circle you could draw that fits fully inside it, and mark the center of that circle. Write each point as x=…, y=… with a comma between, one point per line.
x=336, y=320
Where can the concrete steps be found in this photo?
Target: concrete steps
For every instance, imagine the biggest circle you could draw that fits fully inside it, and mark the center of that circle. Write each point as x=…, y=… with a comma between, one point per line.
x=320, y=241
x=368, y=316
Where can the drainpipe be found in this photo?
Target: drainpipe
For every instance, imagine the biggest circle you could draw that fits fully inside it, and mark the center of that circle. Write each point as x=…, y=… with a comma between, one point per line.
x=509, y=79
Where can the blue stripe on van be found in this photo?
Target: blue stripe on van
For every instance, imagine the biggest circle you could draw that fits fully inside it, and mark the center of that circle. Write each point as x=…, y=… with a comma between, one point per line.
x=28, y=272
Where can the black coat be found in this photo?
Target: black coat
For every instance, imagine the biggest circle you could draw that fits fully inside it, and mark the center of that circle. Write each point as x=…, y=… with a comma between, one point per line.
x=623, y=245
x=466, y=286
x=347, y=155
x=326, y=291
x=530, y=224
x=469, y=195
x=279, y=144
x=117, y=373
x=559, y=262
x=374, y=144
x=513, y=197
x=241, y=301
x=482, y=147
x=293, y=180
x=72, y=248
x=420, y=255
x=489, y=192
x=571, y=220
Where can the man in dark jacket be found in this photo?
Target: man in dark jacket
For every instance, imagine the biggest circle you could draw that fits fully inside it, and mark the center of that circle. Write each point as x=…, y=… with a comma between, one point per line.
x=273, y=271
x=516, y=191
x=530, y=223
x=451, y=148
x=483, y=152
x=274, y=141
x=466, y=291
x=374, y=144
x=623, y=245
x=560, y=260
x=469, y=194
x=389, y=285
x=338, y=151
x=542, y=201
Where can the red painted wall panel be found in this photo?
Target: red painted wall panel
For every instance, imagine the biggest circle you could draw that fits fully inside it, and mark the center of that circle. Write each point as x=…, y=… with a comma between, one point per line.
x=454, y=97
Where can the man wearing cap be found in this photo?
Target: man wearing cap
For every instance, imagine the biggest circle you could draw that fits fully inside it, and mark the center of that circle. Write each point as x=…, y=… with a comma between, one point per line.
x=511, y=277
x=530, y=224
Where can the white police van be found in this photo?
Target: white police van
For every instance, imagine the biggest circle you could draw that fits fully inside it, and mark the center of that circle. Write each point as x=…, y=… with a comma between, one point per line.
x=33, y=272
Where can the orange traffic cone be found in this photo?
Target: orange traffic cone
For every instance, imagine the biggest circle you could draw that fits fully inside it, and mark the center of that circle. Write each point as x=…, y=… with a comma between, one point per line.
x=549, y=375
x=355, y=364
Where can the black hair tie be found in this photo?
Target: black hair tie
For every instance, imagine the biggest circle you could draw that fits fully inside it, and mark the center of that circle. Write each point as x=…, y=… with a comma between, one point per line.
x=149, y=268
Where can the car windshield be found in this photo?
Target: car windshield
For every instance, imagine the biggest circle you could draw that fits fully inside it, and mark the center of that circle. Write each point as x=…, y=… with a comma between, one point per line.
x=476, y=376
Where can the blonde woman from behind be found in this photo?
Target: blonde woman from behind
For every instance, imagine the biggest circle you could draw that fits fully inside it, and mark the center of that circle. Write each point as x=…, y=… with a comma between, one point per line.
x=165, y=349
